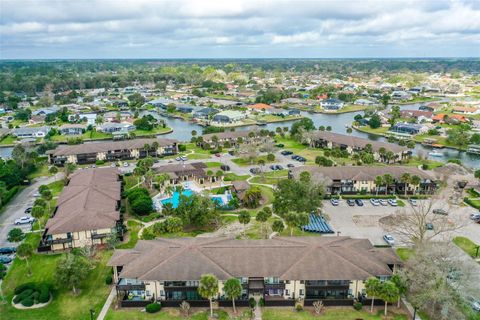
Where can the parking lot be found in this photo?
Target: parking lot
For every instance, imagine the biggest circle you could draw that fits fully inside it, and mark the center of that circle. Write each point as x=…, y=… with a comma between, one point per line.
x=363, y=221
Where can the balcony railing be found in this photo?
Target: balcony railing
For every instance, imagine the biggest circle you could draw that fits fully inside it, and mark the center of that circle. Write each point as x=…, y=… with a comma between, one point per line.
x=130, y=287
x=99, y=235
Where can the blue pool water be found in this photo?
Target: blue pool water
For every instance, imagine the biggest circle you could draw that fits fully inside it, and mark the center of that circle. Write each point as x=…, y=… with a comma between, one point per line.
x=221, y=201
x=176, y=198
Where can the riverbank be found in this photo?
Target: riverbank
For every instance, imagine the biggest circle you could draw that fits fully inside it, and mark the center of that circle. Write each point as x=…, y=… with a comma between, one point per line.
x=383, y=132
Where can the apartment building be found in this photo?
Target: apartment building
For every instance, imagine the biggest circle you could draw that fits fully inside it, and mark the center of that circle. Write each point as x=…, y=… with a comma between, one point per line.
x=112, y=151
x=280, y=270
x=87, y=211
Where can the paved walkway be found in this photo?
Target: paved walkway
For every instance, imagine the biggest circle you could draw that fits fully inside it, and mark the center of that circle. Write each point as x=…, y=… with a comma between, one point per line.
x=258, y=310
x=107, y=304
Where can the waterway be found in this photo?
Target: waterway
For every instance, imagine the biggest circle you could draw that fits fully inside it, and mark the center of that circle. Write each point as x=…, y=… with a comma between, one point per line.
x=182, y=131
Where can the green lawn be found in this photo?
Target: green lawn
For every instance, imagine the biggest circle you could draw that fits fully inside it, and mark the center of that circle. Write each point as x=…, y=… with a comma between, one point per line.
x=473, y=203
x=248, y=162
x=329, y=314
x=8, y=140
x=93, y=291
x=132, y=235
x=230, y=176
x=347, y=108
x=56, y=187
x=379, y=131
x=467, y=245
x=404, y=253
x=213, y=164
x=40, y=171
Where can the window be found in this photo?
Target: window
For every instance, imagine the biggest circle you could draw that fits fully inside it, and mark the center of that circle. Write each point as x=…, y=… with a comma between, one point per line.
x=301, y=292
x=147, y=293
x=287, y=292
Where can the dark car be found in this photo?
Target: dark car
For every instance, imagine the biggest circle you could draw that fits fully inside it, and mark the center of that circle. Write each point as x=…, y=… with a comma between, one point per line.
x=254, y=170
x=28, y=210
x=295, y=157
x=272, y=167
x=351, y=202
x=7, y=250
x=224, y=167
x=301, y=159
x=359, y=202
x=290, y=165
x=278, y=167
x=429, y=226
x=280, y=145
x=286, y=153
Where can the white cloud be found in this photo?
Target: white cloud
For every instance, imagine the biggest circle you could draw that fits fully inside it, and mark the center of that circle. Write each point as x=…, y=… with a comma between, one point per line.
x=236, y=28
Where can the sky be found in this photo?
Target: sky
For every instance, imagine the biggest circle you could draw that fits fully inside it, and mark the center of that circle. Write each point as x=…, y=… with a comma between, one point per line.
x=89, y=29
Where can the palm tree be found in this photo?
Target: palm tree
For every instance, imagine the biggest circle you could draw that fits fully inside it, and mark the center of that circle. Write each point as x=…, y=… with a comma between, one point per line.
x=233, y=289
x=25, y=252
x=415, y=180
x=388, y=179
x=210, y=174
x=405, y=179
x=155, y=146
x=208, y=288
x=218, y=175
x=244, y=218
x=146, y=147
x=378, y=183
x=372, y=286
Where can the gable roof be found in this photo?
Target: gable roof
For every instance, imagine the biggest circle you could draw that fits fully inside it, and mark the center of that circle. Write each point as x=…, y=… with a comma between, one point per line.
x=88, y=202
x=302, y=258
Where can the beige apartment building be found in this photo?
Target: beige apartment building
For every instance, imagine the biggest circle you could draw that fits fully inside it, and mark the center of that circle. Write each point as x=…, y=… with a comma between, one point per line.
x=87, y=211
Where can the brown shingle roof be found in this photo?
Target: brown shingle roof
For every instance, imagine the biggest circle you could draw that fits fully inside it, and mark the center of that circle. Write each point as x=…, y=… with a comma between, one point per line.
x=88, y=202
x=109, y=146
x=178, y=170
x=302, y=258
x=357, y=142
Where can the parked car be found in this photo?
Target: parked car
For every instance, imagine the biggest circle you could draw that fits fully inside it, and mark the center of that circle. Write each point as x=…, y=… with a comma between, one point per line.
x=8, y=250
x=474, y=303
x=475, y=216
x=286, y=152
x=440, y=211
x=359, y=202
x=125, y=164
x=25, y=220
x=302, y=159
x=351, y=202
x=5, y=259
x=217, y=155
x=28, y=210
x=224, y=167
x=383, y=202
x=393, y=202
x=255, y=170
x=278, y=167
x=272, y=167
x=37, y=194
x=290, y=165
x=429, y=226
x=280, y=145
x=295, y=157
x=178, y=158
x=389, y=239
x=413, y=202
x=183, y=158
x=334, y=202
x=113, y=165
x=374, y=202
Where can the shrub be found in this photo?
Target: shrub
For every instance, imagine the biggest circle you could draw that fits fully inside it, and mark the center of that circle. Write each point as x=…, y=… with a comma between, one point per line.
x=26, y=293
x=23, y=287
x=261, y=302
x=252, y=303
x=44, y=296
x=358, y=306
x=27, y=302
x=108, y=280
x=299, y=307
x=99, y=162
x=17, y=299
x=182, y=147
x=153, y=307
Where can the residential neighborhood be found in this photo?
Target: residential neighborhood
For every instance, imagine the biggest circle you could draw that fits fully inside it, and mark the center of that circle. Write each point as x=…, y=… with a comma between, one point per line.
x=239, y=160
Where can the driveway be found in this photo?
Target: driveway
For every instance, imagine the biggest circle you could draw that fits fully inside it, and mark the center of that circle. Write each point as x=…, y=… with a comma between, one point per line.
x=16, y=208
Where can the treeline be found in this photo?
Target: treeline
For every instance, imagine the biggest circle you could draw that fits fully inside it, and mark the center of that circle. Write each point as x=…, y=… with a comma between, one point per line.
x=35, y=76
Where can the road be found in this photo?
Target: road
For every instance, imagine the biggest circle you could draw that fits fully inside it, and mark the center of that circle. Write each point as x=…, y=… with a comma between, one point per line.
x=16, y=208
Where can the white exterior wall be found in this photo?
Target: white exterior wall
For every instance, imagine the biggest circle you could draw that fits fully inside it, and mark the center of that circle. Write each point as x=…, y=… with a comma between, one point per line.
x=293, y=288
x=101, y=156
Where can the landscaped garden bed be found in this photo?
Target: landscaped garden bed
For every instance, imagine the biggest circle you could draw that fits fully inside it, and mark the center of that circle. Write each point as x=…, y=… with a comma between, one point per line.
x=31, y=295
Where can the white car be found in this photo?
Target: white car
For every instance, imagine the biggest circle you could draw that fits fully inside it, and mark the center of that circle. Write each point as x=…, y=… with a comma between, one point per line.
x=413, y=202
x=25, y=220
x=393, y=202
x=125, y=164
x=383, y=202
x=178, y=158
x=375, y=202
x=183, y=158
x=475, y=216
x=37, y=194
x=113, y=165
x=389, y=239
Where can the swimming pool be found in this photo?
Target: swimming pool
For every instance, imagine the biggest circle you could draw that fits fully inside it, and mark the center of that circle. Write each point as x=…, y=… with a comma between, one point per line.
x=175, y=198
x=222, y=200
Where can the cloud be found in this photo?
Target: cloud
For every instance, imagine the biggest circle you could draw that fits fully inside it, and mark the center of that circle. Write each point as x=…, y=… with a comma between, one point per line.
x=236, y=28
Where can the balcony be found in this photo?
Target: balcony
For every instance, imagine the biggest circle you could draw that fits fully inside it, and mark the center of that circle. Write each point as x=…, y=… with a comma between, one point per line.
x=130, y=284
x=99, y=235
x=275, y=286
x=49, y=242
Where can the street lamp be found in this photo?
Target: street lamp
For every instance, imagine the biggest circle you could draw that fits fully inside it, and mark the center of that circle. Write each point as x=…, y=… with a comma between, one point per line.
x=92, y=314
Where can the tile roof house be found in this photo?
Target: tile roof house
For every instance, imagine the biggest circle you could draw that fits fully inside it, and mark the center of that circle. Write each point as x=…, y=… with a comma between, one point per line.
x=332, y=104
x=72, y=129
x=276, y=269
x=31, y=132
x=87, y=211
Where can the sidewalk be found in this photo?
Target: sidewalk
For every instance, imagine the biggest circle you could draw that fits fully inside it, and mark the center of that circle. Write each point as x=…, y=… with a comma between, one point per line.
x=107, y=304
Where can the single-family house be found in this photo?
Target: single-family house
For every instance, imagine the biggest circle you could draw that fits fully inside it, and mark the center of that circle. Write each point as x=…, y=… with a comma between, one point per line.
x=466, y=110
x=111, y=127
x=408, y=128
x=229, y=116
x=332, y=104
x=401, y=95
x=72, y=129
x=205, y=113
x=260, y=107
x=31, y=132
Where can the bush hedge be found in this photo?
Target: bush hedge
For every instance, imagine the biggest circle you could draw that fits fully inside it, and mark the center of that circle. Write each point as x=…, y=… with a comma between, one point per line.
x=108, y=280
x=153, y=307
x=357, y=306
x=31, y=293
